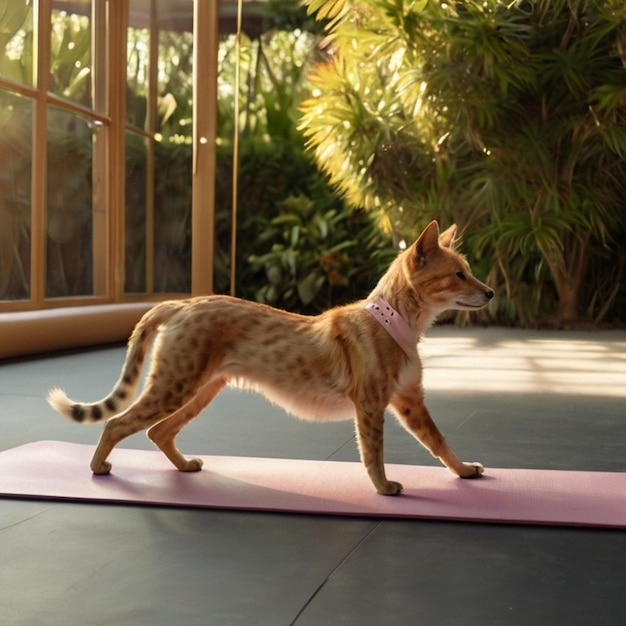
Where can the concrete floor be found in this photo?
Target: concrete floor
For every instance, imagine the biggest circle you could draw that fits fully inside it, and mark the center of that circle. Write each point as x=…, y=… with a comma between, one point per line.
x=504, y=397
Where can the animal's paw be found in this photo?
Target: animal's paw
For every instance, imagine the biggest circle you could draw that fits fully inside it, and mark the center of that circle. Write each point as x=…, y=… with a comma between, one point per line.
x=472, y=470
x=390, y=488
x=191, y=465
x=101, y=469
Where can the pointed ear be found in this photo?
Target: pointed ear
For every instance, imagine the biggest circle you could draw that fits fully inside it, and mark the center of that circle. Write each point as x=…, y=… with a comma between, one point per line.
x=427, y=243
x=446, y=239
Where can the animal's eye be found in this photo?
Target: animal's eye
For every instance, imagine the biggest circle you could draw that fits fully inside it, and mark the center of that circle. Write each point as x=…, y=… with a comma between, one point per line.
x=460, y=275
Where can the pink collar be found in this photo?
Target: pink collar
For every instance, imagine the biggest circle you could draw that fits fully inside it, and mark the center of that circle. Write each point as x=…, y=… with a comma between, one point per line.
x=393, y=323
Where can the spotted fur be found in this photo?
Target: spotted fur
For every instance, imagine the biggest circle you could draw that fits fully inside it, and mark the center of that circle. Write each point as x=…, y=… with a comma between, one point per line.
x=341, y=364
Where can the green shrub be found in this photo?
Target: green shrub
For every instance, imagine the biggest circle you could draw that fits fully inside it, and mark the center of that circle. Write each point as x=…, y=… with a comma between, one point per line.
x=299, y=247
x=508, y=118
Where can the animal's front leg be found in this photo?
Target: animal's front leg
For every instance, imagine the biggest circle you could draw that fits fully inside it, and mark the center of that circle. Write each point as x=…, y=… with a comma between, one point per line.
x=414, y=416
x=163, y=434
x=369, y=429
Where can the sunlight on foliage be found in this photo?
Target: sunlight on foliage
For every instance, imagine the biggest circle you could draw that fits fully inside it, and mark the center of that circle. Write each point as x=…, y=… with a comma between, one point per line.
x=506, y=117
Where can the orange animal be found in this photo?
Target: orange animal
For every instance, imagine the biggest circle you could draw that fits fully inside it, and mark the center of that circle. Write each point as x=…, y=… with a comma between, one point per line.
x=350, y=362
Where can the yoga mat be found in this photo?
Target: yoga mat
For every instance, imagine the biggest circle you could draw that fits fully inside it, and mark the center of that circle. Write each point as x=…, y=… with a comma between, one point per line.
x=56, y=470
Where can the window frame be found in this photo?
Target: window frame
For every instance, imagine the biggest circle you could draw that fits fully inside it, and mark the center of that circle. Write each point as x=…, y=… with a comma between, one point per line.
x=110, y=20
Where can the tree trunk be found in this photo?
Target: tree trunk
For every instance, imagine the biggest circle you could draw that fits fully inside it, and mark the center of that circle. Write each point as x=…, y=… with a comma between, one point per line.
x=567, y=267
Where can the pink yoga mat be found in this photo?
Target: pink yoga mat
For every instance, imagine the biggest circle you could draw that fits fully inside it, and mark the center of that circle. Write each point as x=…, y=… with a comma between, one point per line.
x=56, y=470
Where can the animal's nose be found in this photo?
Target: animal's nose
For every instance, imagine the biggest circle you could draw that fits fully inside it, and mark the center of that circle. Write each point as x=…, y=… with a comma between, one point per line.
x=489, y=293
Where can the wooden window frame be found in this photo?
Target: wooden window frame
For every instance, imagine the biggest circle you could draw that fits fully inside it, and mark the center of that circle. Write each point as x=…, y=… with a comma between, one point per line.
x=39, y=324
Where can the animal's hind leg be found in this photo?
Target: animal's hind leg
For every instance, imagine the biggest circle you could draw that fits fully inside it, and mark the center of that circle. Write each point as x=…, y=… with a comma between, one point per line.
x=143, y=413
x=163, y=434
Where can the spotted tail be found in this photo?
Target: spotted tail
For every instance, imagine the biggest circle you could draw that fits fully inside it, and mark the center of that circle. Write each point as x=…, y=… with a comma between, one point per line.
x=123, y=393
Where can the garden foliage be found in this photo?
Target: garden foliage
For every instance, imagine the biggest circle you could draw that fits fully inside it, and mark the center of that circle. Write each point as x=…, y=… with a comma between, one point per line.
x=508, y=117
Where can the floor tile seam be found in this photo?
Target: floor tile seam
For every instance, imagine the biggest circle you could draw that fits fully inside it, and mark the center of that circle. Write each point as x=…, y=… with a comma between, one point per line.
x=335, y=569
x=23, y=520
x=465, y=421
x=14, y=394
x=351, y=440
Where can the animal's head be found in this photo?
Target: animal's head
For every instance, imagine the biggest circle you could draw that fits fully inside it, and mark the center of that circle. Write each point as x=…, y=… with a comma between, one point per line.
x=440, y=276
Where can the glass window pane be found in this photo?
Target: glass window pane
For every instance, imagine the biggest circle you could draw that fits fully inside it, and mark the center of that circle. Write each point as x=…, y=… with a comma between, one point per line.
x=16, y=41
x=136, y=226
x=70, y=51
x=137, y=58
x=172, y=218
x=16, y=114
x=70, y=205
x=158, y=258
x=175, y=81
x=173, y=151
